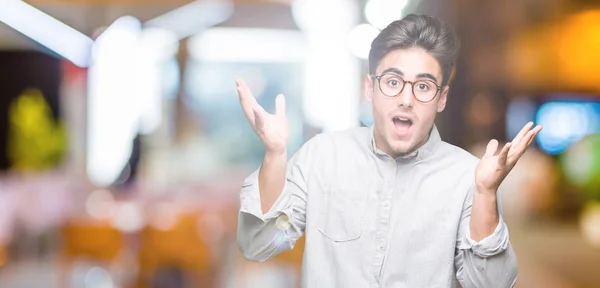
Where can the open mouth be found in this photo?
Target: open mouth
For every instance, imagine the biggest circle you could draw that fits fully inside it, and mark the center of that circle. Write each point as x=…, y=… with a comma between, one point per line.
x=402, y=124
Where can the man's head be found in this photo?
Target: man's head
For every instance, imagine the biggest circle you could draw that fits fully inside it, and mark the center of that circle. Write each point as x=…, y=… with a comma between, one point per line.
x=410, y=63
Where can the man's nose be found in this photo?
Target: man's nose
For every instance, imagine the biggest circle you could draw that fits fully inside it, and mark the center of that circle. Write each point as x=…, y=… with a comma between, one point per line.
x=405, y=98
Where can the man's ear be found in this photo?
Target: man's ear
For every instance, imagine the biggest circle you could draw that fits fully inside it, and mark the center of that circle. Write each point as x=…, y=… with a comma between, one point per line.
x=369, y=88
x=443, y=99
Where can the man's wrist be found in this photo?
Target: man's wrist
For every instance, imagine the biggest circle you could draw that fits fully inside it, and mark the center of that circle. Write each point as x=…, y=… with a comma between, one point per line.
x=275, y=156
x=485, y=191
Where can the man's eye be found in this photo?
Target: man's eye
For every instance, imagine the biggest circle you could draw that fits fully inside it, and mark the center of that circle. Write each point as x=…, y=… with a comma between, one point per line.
x=423, y=87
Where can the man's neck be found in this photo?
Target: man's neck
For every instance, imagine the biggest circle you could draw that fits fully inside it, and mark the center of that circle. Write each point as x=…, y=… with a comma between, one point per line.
x=388, y=150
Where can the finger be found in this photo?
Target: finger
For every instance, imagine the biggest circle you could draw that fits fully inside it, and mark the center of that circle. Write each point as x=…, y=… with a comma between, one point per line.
x=522, y=133
x=491, y=148
x=247, y=107
x=241, y=88
x=536, y=130
x=259, y=122
x=244, y=92
x=247, y=101
x=504, y=154
x=527, y=139
x=280, y=105
x=252, y=99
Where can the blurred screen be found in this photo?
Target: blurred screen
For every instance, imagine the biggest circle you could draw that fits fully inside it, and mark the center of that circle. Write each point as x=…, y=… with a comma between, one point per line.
x=566, y=122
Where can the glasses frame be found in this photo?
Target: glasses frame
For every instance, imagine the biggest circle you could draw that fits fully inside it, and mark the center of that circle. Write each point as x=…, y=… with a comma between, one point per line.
x=412, y=85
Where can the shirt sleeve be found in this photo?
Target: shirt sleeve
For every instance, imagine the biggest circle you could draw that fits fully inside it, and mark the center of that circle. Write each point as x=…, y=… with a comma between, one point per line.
x=262, y=236
x=490, y=262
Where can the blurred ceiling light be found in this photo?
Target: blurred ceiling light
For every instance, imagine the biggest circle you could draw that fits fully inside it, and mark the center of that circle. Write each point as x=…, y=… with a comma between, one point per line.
x=112, y=100
x=156, y=47
x=158, y=43
x=125, y=92
x=380, y=13
x=327, y=24
x=360, y=40
x=124, y=29
x=46, y=30
x=319, y=17
x=194, y=17
x=248, y=45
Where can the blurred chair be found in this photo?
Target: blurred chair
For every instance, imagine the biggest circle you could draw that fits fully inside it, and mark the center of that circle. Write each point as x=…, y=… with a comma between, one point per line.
x=96, y=241
x=293, y=257
x=283, y=270
x=175, y=252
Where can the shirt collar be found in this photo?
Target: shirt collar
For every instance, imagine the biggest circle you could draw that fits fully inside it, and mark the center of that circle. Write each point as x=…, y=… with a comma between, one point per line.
x=423, y=152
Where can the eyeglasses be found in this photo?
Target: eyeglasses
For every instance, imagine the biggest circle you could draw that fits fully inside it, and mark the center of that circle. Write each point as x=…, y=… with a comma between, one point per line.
x=423, y=90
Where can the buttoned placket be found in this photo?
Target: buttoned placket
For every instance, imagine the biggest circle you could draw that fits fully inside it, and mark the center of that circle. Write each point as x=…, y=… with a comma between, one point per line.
x=382, y=227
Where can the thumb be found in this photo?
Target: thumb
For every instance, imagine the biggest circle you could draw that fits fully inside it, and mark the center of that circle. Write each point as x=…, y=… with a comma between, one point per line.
x=259, y=121
x=491, y=148
x=280, y=105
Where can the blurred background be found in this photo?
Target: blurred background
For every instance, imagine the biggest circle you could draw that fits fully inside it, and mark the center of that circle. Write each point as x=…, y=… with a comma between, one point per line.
x=123, y=146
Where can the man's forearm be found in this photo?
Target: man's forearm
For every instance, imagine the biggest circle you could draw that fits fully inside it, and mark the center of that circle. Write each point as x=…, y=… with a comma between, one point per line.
x=271, y=179
x=484, y=214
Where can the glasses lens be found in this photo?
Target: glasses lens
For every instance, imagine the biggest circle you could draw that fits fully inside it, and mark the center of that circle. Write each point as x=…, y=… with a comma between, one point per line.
x=424, y=90
x=391, y=84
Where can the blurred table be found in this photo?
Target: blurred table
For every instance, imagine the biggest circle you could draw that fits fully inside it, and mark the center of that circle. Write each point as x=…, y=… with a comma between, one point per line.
x=554, y=255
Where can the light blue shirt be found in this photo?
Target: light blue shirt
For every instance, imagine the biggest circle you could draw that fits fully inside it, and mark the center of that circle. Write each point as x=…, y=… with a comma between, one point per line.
x=375, y=221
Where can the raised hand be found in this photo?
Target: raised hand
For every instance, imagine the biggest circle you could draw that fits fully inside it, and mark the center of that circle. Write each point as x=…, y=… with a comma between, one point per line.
x=492, y=168
x=272, y=129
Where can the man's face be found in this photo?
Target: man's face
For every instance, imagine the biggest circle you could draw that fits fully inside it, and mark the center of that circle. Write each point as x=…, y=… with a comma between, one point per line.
x=402, y=123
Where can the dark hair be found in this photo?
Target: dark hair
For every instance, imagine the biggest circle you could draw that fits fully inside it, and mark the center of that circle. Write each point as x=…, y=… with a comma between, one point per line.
x=429, y=33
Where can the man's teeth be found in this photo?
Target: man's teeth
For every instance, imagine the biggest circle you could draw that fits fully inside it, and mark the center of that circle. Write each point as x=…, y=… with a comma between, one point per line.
x=402, y=120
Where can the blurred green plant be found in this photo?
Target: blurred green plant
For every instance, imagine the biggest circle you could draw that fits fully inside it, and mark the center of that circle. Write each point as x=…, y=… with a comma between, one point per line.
x=35, y=141
x=581, y=166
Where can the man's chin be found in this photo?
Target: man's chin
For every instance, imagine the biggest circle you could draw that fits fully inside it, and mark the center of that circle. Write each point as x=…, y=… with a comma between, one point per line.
x=403, y=152
x=402, y=148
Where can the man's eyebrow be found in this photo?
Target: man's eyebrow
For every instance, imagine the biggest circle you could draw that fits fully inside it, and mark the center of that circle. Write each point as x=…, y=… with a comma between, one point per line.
x=428, y=76
x=393, y=70
x=399, y=72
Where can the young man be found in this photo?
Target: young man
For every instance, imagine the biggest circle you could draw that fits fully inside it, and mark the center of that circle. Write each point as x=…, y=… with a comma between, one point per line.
x=390, y=205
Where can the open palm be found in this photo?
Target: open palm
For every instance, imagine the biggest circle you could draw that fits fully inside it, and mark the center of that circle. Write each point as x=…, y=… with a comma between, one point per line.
x=492, y=168
x=272, y=129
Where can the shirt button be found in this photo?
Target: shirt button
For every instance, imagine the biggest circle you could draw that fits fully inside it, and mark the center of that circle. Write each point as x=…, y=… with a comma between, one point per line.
x=386, y=204
x=283, y=222
x=382, y=245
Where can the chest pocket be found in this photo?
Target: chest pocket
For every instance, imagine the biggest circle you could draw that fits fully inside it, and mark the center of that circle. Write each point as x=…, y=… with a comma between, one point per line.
x=341, y=213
